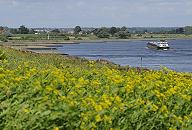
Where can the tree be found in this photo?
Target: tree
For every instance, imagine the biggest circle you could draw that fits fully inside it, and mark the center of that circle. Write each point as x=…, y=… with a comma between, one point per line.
x=1, y=28
x=113, y=30
x=14, y=31
x=32, y=31
x=95, y=31
x=103, y=35
x=123, y=28
x=77, y=29
x=123, y=34
x=103, y=32
x=188, y=30
x=180, y=30
x=3, y=38
x=55, y=31
x=118, y=29
x=23, y=30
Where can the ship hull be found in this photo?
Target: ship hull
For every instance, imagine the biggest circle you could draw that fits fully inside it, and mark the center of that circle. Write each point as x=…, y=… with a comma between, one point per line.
x=153, y=46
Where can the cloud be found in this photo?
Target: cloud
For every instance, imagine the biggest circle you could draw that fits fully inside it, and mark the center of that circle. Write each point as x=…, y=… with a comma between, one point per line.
x=63, y=13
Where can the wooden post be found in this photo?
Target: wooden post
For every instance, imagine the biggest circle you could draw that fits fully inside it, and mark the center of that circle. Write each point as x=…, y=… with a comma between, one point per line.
x=48, y=37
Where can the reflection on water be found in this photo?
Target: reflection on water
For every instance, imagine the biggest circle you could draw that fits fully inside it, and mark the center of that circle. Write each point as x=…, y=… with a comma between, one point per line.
x=178, y=58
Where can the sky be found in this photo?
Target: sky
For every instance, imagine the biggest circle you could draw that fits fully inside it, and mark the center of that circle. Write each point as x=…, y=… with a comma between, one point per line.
x=95, y=13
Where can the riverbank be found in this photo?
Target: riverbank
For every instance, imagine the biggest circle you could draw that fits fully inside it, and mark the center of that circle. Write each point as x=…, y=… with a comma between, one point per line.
x=49, y=46
x=46, y=91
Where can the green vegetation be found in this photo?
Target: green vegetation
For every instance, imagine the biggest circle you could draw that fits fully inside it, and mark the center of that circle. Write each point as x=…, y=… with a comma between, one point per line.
x=23, y=30
x=2, y=55
x=3, y=38
x=102, y=36
x=77, y=30
x=59, y=92
x=55, y=31
x=113, y=32
x=188, y=30
x=24, y=34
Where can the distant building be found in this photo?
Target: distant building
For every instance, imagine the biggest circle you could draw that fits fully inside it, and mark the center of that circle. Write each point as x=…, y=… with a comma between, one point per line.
x=71, y=32
x=80, y=33
x=42, y=30
x=2, y=30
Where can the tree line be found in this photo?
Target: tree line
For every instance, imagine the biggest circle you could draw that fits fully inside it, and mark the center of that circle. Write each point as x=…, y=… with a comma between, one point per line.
x=122, y=33
x=103, y=32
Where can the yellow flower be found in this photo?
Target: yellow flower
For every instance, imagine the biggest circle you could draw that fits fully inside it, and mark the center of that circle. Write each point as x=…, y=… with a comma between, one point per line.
x=98, y=108
x=180, y=119
x=140, y=101
x=114, y=109
x=37, y=84
x=49, y=88
x=56, y=128
x=129, y=88
x=164, y=109
x=93, y=125
x=81, y=81
x=186, y=97
x=98, y=118
x=96, y=83
x=186, y=118
x=107, y=119
x=172, y=128
x=26, y=110
x=63, y=98
x=154, y=107
x=56, y=92
x=117, y=79
x=117, y=99
x=18, y=79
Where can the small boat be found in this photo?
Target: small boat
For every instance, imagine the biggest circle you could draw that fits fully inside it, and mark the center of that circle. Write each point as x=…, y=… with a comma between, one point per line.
x=158, y=45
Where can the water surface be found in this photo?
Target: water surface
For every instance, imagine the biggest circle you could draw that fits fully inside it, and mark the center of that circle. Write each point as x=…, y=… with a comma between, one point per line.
x=178, y=58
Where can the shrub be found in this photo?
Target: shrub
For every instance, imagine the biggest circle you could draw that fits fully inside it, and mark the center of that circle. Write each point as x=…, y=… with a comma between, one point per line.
x=66, y=38
x=53, y=92
x=3, y=39
x=2, y=55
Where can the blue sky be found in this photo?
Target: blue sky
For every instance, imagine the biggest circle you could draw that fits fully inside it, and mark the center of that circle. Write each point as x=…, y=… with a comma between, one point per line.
x=95, y=13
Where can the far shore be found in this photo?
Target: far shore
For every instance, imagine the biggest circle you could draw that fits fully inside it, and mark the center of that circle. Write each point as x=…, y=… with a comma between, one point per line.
x=49, y=46
x=23, y=42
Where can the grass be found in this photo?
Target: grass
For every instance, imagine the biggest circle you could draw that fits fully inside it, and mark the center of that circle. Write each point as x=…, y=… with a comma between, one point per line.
x=59, y=92
x=62, y=38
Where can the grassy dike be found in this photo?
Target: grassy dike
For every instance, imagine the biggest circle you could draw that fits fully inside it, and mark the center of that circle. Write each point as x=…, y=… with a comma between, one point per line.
x=45, y=91
x=42, y=38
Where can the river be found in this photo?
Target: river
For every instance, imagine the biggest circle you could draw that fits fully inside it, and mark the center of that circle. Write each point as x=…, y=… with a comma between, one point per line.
x=178, y=57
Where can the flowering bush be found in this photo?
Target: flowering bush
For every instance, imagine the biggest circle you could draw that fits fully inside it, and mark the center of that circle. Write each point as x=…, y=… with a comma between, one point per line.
x=53, y=92
x=2, y=55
